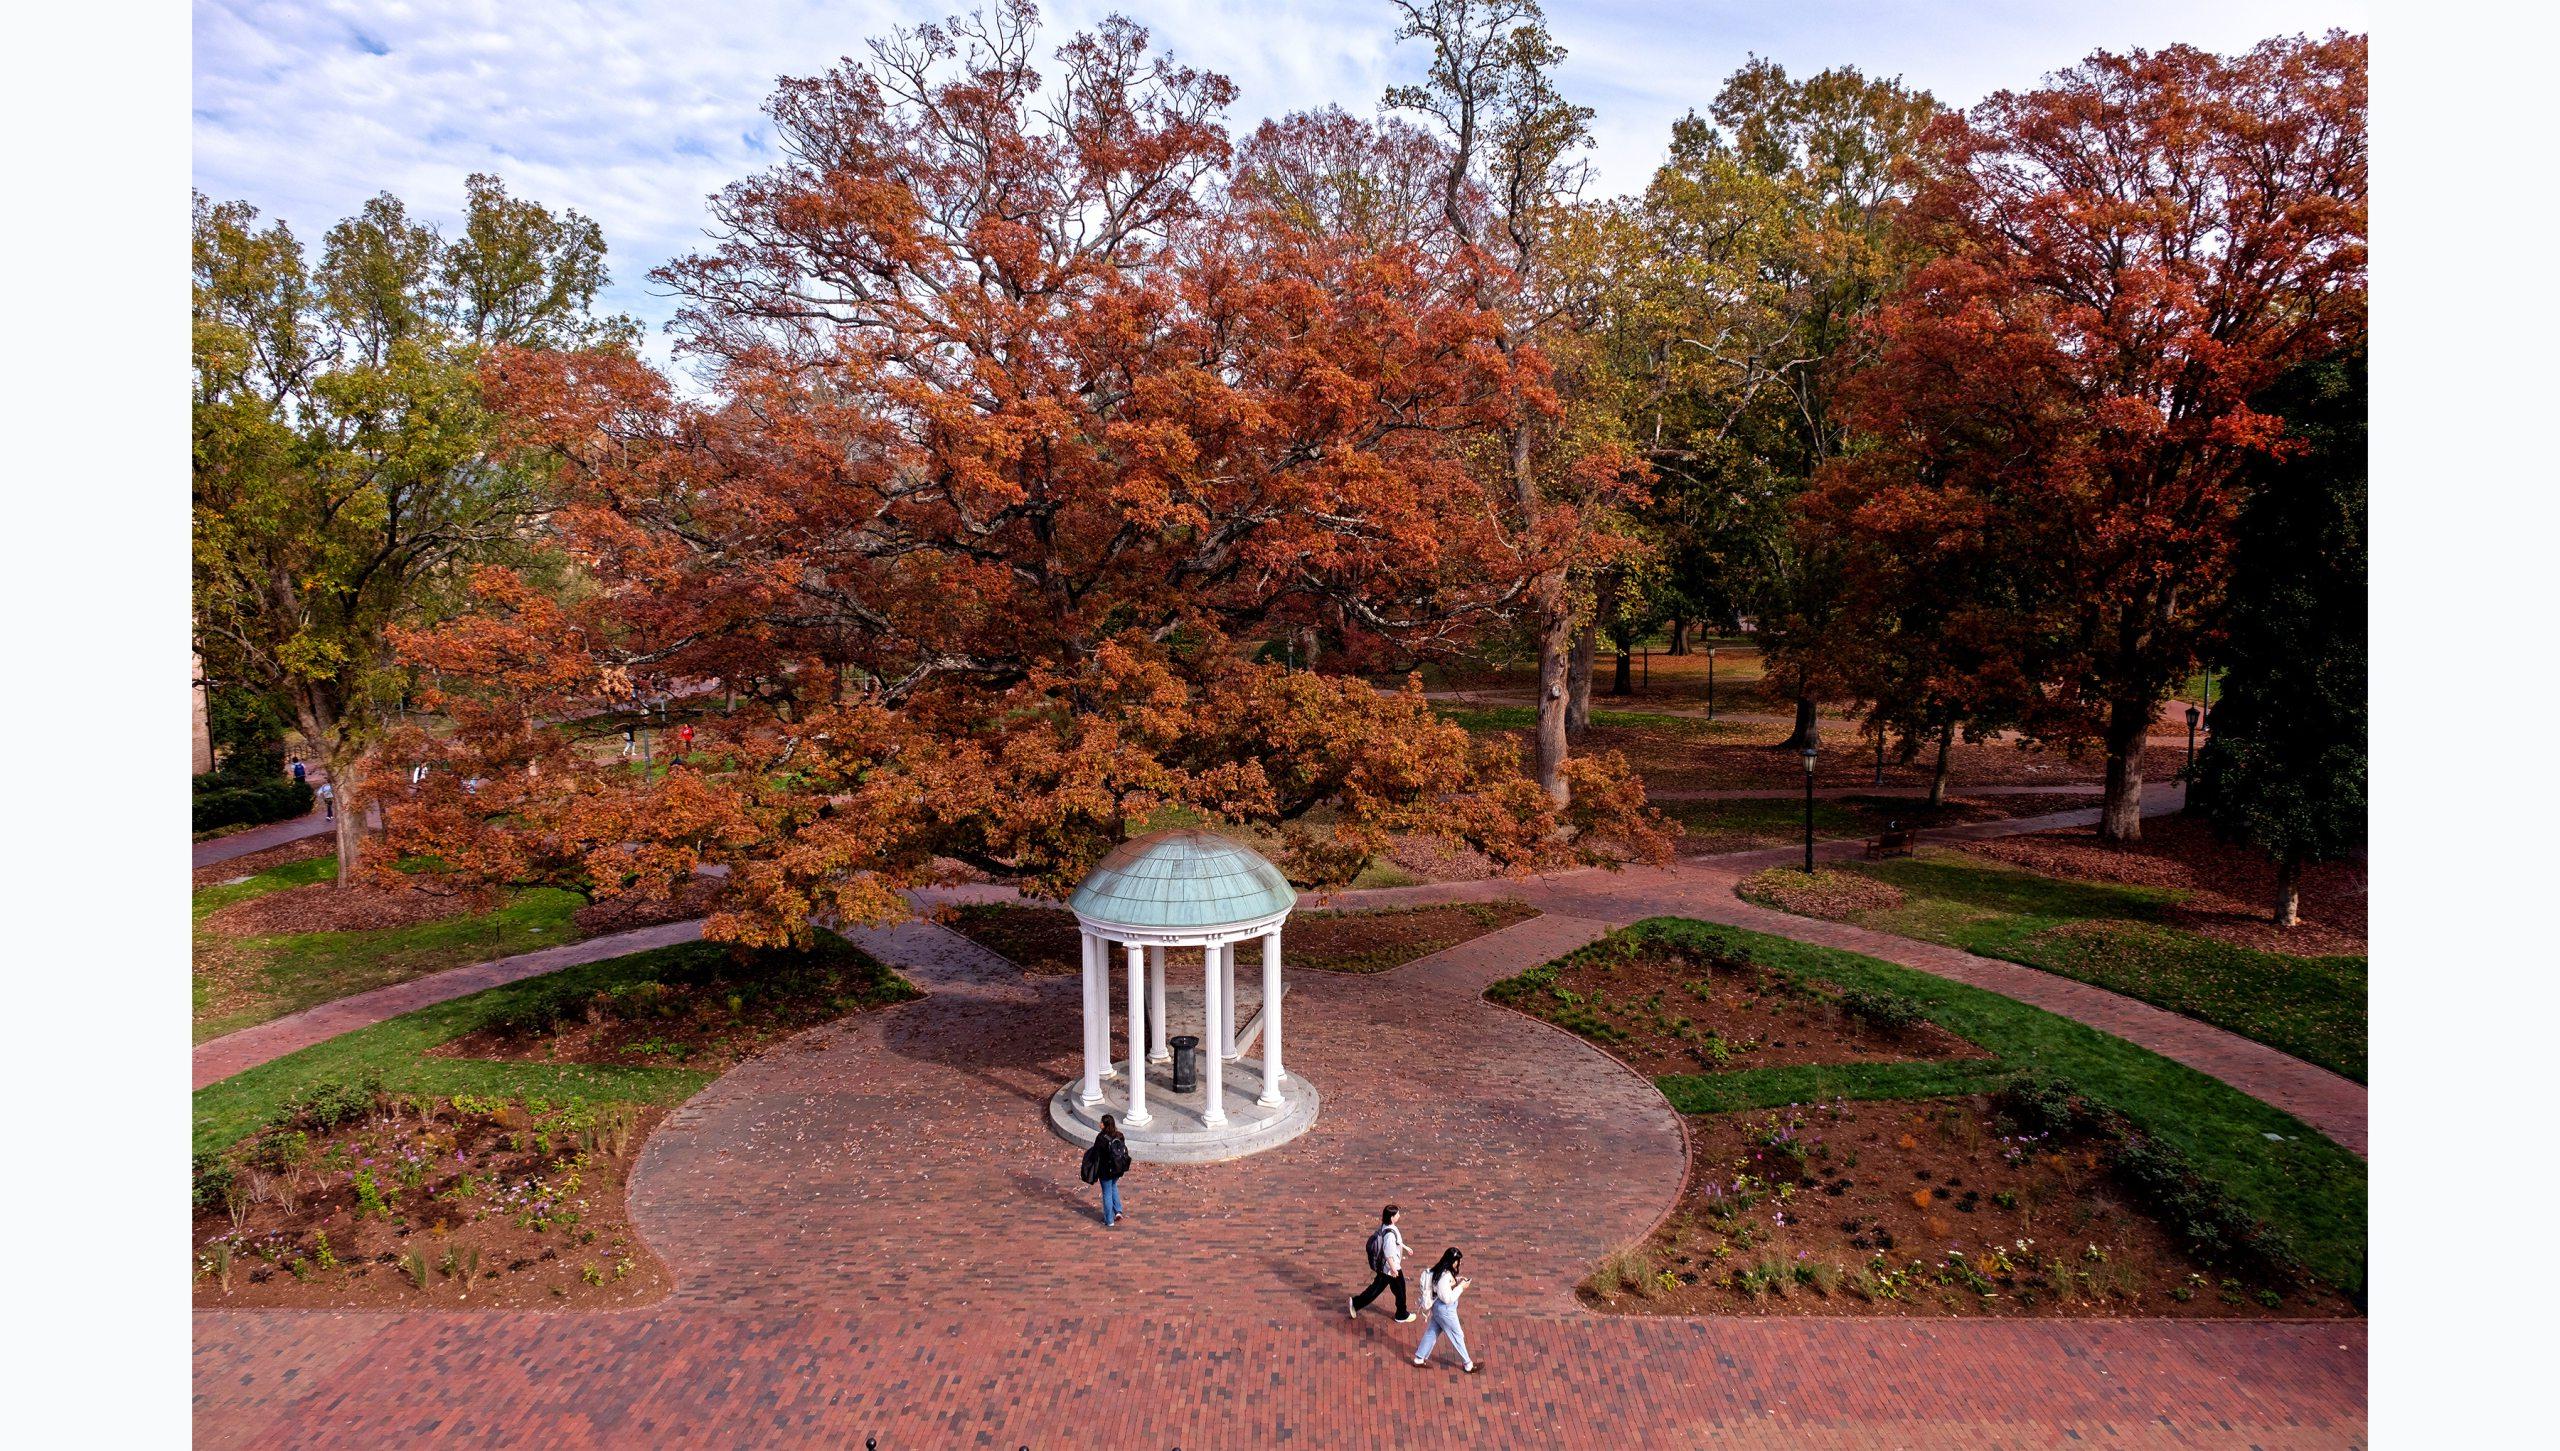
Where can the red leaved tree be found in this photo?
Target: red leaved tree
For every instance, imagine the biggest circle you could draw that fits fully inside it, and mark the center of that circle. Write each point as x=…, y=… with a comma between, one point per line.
x=2132, y=252
x=1023, y=417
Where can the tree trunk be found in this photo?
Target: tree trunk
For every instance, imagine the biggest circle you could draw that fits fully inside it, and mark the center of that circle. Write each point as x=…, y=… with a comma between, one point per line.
x=1679, y=637
x=2120, y=816
x=1624, y=683
x=2289, y=892
x=344, y=777
x=1555, y=645
x=1577, y=709
x=1808, y=728
x=1938, y=777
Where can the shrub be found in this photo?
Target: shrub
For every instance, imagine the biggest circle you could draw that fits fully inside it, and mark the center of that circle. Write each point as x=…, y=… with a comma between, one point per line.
x=2044, y=1103
x=242, y=805
x=2213, y=1228
x=214, y=1179
x=538, y=1014
x=1886, y=1012
x=331, y=1102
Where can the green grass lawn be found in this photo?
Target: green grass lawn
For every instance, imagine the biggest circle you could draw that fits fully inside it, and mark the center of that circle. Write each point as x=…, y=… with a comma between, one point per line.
x=260, y=978
x=395, y=1052
x=2310, y=1190
x=2116, y=937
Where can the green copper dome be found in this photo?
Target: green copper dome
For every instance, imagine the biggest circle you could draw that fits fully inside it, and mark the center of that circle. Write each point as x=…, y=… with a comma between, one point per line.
x=1178, y=879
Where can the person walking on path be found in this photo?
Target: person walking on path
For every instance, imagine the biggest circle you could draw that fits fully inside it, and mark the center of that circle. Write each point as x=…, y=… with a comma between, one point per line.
x=328, y=802
x=1386, y=1267
x=298, y=772
x=1104, y=1163
x=1441, y=1288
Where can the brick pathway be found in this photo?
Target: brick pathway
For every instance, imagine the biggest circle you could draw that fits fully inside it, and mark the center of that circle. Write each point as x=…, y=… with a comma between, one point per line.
x=259, y=838
x=873, y=1234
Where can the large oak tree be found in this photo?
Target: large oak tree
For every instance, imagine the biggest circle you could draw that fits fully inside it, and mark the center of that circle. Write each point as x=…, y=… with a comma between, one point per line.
x=1028, y=408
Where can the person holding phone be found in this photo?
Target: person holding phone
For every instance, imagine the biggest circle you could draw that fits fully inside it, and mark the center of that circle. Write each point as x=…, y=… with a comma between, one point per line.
x=1441, y=1287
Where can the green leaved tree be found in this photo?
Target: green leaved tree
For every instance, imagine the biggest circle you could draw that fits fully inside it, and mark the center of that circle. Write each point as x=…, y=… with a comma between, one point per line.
x=2285, y=771
x=343, y=468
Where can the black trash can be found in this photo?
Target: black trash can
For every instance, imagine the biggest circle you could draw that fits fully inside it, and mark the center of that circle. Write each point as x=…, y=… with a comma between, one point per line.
x=1186, y=1063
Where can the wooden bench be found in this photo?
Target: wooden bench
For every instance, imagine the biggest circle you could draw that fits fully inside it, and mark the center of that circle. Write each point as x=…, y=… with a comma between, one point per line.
x=1896, y=842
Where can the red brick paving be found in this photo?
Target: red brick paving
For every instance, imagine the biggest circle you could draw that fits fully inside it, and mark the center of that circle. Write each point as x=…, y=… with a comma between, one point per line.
x=873, y=1233
x=1137, y=1376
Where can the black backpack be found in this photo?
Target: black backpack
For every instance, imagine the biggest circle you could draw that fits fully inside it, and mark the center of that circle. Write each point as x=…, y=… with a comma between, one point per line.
x=1378, y=1250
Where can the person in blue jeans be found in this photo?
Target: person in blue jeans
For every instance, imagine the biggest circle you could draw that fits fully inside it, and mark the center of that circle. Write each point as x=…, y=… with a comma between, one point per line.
x=1441, y=1288
x=1104, y=1163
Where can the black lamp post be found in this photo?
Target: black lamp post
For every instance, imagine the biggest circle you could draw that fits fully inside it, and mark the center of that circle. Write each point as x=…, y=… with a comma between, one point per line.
x=2193, y=715
x=1711, y=682
x=1879, y=755
x=1808, y=808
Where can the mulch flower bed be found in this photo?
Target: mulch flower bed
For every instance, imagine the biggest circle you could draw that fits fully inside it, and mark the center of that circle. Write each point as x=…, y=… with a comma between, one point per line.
x=1935, y=1207
x=2233, y=887
x=379, y=1201
x=1043, y=941
x=1668, y=1008
x=699, y=897
x=358, y=907
x=710, y=1014
x=1826, y=893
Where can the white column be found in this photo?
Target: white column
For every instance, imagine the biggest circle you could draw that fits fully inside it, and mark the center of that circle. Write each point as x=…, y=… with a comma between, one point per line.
x=1214, y=1098
x=1097, y=1016
x=1138, y=1115
x=1272, y=1072
x=1227, y=1000
x=1159, y=1046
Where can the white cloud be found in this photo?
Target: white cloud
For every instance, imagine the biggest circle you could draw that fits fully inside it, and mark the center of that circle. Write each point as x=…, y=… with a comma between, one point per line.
x=633, y=113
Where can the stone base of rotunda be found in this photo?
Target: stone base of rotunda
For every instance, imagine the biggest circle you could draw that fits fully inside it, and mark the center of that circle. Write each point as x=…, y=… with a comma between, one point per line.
x=1175, y=1134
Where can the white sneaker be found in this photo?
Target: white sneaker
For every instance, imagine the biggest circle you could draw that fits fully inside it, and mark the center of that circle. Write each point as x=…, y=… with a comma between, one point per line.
x=1352, y=1305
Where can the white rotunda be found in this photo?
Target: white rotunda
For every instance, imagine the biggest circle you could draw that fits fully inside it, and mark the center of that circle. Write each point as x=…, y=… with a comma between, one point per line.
x=1153, y=898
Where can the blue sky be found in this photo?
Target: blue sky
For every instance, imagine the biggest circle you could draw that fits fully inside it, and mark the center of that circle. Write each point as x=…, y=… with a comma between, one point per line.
x=633, y=112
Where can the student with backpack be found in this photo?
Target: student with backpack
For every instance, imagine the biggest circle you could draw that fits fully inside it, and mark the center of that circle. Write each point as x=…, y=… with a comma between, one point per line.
x=1104, y=1163
x=1440, y=1291
x=1386, y=1267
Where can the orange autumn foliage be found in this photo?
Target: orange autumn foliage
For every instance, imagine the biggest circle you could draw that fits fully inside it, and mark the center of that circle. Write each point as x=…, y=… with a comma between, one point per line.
x=1024, y=426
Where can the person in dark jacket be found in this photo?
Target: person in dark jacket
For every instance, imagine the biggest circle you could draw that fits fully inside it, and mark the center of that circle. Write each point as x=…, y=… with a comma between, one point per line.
x=1386, y=1267
x=1104, y=1163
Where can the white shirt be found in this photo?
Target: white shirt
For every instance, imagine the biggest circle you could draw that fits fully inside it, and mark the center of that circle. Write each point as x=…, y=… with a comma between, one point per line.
x=1393, y=1250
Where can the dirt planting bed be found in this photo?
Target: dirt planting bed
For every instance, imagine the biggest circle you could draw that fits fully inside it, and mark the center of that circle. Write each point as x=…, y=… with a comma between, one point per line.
x=374, y=1201
x=359, y=907
x=699, y=897
x=1043, y=941
x=1826, y=893
x=706, y=1010
x=1665, y=1008
x=1932, y=1207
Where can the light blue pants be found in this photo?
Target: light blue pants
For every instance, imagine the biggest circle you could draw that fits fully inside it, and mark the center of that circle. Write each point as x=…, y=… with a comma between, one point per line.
x=1110, y=1201
x=1444, y=1321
